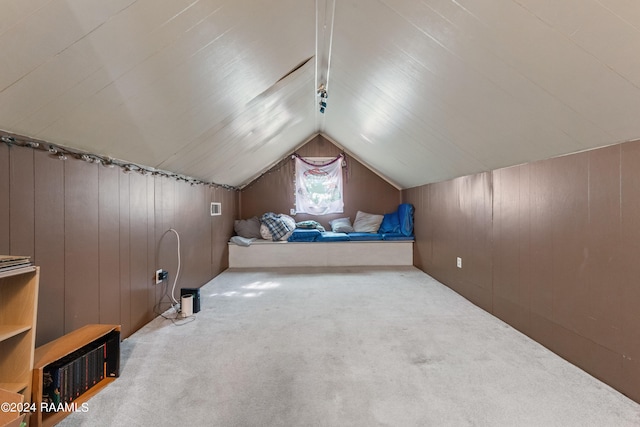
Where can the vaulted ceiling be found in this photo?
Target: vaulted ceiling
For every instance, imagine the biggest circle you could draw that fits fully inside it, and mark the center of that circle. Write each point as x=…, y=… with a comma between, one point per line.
x=420, y=91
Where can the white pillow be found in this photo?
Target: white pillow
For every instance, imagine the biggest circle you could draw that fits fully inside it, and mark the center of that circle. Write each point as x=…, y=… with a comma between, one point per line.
x=242, y=241
x=367, y=223
x=341, y=225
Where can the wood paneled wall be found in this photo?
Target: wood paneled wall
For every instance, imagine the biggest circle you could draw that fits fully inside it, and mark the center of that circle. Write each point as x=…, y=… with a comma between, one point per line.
x=551, y=248
x=99, y=234
x=363, y=190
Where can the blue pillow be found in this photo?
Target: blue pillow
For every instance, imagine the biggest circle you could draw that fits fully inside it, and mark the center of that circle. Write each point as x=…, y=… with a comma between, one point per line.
x=390, y=223
x=304, y=235
x=405, y=214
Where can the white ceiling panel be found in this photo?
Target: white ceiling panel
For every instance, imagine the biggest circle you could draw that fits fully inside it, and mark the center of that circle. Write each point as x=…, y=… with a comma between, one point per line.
x=557, y=64
x=597, y=29
x=626, y=10
x=14, y=11
x=420, y=91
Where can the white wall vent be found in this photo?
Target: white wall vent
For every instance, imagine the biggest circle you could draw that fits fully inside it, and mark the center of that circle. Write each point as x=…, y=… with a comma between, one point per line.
x=216, y=208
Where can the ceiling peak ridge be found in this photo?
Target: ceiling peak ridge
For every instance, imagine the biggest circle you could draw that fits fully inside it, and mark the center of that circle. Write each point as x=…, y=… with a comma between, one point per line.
x=325, y=17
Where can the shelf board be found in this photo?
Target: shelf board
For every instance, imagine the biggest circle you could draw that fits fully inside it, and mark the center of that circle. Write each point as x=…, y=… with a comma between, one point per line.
x=14, y=387
x=8, y=331
x=58, y=348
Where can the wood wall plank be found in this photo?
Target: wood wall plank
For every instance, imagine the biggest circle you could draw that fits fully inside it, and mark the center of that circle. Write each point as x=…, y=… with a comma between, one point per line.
x=189, y=237
x=423, y=230
x=21, y=201
x=541, y=240
x=82, y=263
x=151, y=249
x=191, y=207
x=446, y=214
x=603, y=311
x=49, y=245
x=125, y=255
x=525, y=268
x=166, y=249
x=203, y=234
x=5, y=227
x=138, y=235
x=109, y=244
x=569, y=209
x=218, y=251
x=507, y=284
x=225, y=228
x=222, y=226
x=182, y=202
x=475, y=237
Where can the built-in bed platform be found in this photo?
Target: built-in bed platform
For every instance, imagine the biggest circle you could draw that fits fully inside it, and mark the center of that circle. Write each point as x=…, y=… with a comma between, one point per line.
x=309, y=245
x=265, y=253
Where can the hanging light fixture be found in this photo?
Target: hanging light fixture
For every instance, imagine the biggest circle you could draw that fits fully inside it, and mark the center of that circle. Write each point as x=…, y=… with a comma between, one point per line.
x=325, y=14
x=322, y=93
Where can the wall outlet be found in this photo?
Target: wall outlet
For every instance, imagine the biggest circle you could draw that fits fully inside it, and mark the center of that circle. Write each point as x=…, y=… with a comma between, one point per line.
x=292, y=211
x=459, y=262
x=159, y=276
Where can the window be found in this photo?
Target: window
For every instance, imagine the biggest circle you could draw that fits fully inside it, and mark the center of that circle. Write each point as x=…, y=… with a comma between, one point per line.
x=319, y=185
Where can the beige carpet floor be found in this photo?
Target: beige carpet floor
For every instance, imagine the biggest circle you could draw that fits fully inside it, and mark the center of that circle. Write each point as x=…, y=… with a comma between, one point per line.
x=345, y=347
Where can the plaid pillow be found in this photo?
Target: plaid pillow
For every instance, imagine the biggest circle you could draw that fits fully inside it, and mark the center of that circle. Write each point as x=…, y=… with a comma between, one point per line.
x=278, y=226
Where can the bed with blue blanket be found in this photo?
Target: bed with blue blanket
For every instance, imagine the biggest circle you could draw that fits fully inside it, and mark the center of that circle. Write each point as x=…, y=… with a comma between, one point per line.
x=395, y=226
x=283, y=243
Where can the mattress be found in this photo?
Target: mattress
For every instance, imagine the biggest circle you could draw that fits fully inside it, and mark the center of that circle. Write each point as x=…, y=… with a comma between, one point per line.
x=364, y=236
x=396, y=237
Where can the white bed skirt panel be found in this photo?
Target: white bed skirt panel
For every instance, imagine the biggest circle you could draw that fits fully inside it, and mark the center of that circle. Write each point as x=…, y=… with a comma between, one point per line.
x=321, y=254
